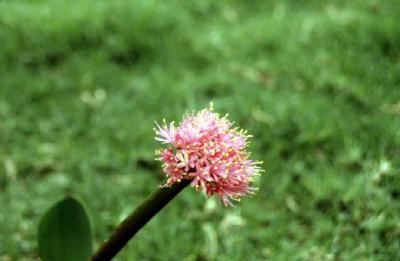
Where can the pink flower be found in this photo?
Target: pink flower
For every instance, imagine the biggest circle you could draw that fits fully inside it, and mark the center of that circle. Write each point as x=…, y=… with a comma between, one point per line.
x=207, y=150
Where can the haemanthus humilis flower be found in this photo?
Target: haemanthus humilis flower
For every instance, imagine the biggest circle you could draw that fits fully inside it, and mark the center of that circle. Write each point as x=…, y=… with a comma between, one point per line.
x=206, y=149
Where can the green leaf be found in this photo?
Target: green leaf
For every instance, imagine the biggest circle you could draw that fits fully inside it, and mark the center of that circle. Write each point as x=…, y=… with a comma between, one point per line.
x=65, y=233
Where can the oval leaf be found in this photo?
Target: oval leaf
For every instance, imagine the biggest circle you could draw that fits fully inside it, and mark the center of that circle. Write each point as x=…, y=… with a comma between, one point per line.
x=65, y=233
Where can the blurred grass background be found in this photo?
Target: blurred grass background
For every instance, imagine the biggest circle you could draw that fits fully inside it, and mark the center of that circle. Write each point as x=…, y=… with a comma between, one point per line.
x=316, y=82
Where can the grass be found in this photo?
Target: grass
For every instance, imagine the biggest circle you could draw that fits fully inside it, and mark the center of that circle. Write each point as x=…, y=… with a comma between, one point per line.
x=316, y=83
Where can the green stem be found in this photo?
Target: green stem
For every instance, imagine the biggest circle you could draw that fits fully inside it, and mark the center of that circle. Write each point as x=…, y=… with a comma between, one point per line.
x=139, y=217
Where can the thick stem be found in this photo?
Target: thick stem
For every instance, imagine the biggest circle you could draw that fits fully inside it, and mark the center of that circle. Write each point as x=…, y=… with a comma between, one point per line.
x=134, y=222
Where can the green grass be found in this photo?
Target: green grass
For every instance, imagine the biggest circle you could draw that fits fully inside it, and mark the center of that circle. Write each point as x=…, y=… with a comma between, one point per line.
x=316, y=83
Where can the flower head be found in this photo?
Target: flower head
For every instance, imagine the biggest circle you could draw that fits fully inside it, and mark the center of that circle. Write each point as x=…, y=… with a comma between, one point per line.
x=207, y=150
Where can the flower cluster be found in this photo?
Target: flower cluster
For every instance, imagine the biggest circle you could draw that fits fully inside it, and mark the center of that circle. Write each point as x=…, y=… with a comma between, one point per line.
x=207, y=150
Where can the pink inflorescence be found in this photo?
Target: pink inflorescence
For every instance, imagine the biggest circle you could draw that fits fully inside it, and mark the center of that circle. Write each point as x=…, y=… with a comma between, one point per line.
x=206, y=149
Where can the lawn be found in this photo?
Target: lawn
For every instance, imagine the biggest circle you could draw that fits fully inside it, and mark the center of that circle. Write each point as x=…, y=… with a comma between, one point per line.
x=317, y=83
